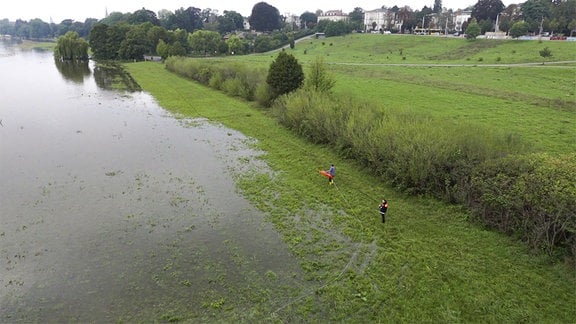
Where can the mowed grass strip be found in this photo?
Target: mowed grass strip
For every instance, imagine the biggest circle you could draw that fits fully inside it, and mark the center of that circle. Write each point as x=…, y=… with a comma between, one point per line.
x=546, y=124
x=427, y=263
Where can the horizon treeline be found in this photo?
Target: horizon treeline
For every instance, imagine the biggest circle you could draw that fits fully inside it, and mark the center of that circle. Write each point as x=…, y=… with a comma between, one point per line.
x=556, y=17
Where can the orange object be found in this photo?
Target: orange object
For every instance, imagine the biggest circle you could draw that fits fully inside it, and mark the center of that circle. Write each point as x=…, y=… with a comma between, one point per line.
x=326, y=174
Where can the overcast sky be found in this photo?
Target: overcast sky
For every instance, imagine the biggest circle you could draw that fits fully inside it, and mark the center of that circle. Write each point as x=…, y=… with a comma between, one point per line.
x=79, y=10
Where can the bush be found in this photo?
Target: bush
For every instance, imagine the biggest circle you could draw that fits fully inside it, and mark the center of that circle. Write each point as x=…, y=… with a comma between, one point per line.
x=285, y=74
x=531, y=196
x=234, y=79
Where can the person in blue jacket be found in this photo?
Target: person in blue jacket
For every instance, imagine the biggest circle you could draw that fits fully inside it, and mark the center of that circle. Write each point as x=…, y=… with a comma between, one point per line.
x=332, y=172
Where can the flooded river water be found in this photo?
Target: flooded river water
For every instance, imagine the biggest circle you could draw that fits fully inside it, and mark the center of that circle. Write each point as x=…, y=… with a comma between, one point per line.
x=112, y=209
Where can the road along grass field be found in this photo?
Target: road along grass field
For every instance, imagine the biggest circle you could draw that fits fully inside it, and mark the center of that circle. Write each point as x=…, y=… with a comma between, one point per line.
x=427, y=263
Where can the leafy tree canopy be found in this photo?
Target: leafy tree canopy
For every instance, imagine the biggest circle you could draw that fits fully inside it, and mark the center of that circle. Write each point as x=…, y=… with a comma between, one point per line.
x=437, y=6
x=188, y=19
x=142, y=16
x=265, y=17
x=535, y=10
x=487, y=9
x=204, y=42
x=518, y=29
x=230, y=21
x=308, y=20
x=71, y=47
x=356, y=18
x=473, y=30
x=285, y=74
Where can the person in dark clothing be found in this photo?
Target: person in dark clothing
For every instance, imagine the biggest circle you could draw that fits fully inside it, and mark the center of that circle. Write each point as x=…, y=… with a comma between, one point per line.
x=383, y=209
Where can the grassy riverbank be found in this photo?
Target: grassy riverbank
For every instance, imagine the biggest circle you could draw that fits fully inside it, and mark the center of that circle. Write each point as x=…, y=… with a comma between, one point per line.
x=427, y=263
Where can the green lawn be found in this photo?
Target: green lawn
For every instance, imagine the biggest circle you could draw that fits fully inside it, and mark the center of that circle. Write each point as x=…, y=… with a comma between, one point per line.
x=535, y=102
x=428, y=263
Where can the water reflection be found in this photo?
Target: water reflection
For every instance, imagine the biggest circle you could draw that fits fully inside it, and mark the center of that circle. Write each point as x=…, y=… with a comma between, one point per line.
x=75, y=71
x=111, y=76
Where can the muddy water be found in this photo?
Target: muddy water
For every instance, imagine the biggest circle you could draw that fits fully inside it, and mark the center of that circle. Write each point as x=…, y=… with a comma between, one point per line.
x=111, y=209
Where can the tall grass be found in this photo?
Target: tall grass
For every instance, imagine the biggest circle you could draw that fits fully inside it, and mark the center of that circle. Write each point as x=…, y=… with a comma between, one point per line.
x=235, y=79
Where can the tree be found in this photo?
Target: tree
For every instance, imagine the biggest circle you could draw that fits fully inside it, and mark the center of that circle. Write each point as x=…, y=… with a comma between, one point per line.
x=229, y=22
x=407, y=17
x=71, y=47
x=235, y=45
x=487, y=9
x=572, y=26
x=157, y=33
x=485, y=26
x=308, y=20
x=356, y=18
x=318, y=78
x=265, y=17
x=188, y=19
x=545, y=52
x=39, y=29
x=105, y=40
x=6, y=28
x=143, y=15
x=285, y=74
x=115, y=18
x=98, y=43
x=136, y=43
x=534, y=12
x=437, y=6
x=564, y=13
x=204, y=42
x=472, y=30
x=518, y=29
x=337, y=28
x=163, y=49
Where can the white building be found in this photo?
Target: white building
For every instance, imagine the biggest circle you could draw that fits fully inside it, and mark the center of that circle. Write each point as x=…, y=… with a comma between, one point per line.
x=380, y=20
x=460, y=17
x=333, y=15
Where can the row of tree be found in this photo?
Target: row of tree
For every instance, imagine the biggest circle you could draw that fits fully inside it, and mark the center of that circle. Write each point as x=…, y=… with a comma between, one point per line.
x=132, y=42
x=555, y=16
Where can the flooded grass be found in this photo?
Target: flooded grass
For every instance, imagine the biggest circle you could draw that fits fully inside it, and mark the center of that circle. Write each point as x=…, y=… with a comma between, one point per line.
x=427, y=263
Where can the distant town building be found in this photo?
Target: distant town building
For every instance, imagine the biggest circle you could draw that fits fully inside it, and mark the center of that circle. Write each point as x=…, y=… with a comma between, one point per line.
x=460, y=17
x=333, y=15
x=381, y=20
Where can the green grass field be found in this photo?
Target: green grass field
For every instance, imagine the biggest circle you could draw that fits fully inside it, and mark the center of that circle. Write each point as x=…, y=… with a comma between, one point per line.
x=428, y=263
x=509, y=89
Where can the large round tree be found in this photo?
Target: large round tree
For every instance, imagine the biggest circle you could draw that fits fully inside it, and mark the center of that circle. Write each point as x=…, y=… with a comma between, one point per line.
x=285, y=74
x=265, y=17
x=487, y=9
